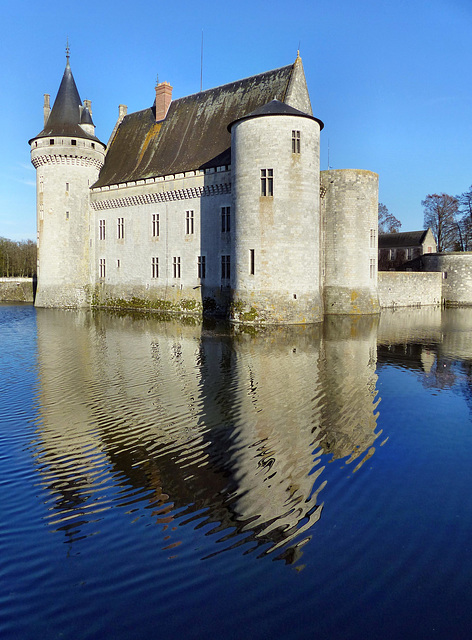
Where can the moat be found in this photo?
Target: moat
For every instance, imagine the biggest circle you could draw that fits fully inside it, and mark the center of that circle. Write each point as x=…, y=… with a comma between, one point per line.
x=166, y=478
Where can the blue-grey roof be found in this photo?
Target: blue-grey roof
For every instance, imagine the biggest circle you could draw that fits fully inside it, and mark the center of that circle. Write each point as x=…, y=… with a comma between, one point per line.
x=65, y=116
x=276, y=108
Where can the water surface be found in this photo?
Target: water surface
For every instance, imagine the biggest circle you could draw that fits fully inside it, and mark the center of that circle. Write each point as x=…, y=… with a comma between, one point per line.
x=164, y=478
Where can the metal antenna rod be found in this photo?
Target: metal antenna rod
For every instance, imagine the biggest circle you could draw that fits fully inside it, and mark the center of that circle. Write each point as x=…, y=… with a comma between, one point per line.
x=201, y=66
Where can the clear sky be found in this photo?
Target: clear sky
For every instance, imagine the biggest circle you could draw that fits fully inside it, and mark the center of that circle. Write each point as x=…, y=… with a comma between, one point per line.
x=390, y=80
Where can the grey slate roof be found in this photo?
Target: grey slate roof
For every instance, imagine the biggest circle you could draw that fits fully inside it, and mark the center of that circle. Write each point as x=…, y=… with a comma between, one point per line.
x=65, y=116
x=276, y=108
x=194, y=134
x=405, y=239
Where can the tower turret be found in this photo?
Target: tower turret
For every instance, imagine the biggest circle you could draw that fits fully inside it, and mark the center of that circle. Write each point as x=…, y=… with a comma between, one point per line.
x=67, y=157
x=275, y=190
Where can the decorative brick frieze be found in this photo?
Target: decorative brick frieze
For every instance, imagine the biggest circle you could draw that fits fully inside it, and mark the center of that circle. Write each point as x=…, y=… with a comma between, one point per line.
x=82, y=161
x=165, y=196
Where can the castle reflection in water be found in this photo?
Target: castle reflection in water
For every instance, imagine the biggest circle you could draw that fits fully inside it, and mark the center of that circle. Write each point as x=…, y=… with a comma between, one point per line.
x=178, y=422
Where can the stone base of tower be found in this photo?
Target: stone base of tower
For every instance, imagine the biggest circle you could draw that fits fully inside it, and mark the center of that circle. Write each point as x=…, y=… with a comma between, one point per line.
x=275, y=308
x=348, y=301
x=63, y=297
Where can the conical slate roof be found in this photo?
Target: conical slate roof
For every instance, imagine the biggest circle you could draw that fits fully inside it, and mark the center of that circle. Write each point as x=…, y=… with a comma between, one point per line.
x=276, y=108
x=65, y=116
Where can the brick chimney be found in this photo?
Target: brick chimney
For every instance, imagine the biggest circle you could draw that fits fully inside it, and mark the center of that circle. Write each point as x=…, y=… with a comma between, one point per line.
x=163, y=99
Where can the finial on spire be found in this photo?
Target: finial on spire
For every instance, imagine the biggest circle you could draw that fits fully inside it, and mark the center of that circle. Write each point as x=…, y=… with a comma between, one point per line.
x=67, y=51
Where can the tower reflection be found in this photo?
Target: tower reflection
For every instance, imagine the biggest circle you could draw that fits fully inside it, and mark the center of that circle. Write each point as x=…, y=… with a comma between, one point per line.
x=190, y=424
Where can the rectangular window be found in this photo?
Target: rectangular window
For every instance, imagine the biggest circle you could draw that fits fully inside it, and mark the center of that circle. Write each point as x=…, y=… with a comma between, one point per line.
x=252, y=262
x=155, y=225
x=201, y=267
x=67, y=215
x=409, y=253
x=225, y=267
x=176, y=265
x=73, y=142
x=391, y=254
x=267, y=182
x=155, y=267
x=372, y=267
x=120, y=228
x=101, y=229
x=225, y=220
x=51, y=141
x=295, y=141
x=372, y=238
x=67, y=187
x=189, y=222
x=102, y=267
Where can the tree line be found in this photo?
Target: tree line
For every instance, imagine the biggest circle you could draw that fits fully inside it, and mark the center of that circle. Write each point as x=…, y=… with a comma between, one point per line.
x=17, y=259
x=449, y=217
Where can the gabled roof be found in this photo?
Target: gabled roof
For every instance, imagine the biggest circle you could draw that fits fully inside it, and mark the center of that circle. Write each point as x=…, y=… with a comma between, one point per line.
x=405, y=239
x=65, y=116
x=194, y=133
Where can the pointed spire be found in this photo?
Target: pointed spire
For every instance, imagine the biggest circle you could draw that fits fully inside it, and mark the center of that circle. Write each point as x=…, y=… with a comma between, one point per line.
x=65, y=117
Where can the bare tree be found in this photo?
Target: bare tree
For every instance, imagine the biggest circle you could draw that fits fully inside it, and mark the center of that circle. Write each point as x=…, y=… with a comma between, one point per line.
x=440, y=212
x=387, y=221
x=465, y=223
x=17, y=259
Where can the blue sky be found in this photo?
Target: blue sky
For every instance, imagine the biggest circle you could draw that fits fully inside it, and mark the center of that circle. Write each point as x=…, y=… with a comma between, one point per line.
x=390, y=80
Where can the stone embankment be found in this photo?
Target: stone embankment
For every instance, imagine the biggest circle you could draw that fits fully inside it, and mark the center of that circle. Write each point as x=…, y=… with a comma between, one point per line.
x=16, y=289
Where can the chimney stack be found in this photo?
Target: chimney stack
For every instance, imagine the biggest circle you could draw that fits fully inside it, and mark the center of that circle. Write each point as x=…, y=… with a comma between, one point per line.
x=88, y=105
x=46, y=108
x=163, y=99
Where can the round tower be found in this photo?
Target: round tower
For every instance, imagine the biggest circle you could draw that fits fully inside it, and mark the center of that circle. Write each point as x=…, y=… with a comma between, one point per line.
x=67, y=157
x=349, y=210
x=275, y=196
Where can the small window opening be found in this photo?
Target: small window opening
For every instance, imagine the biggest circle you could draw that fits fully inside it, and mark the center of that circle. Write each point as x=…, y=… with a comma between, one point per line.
x=73, y=142
x=252, y=262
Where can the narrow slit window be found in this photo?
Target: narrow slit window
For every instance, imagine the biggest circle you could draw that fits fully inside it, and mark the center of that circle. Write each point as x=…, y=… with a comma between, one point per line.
x=372, y=267
x=372, y=238
x=225, y=267
x=225, y=219
x=189, y=222
x=120, y=229
x=201, y=267
x=155, y=225
x=252, y=262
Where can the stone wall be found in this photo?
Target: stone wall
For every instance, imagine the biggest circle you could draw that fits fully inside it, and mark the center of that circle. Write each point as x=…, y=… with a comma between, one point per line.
x=457, y=269
x=349, y=225
x=16, y=289
x=409, y=288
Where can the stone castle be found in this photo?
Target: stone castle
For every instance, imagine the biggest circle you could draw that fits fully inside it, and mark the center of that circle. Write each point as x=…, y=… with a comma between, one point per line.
x=212, y=202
